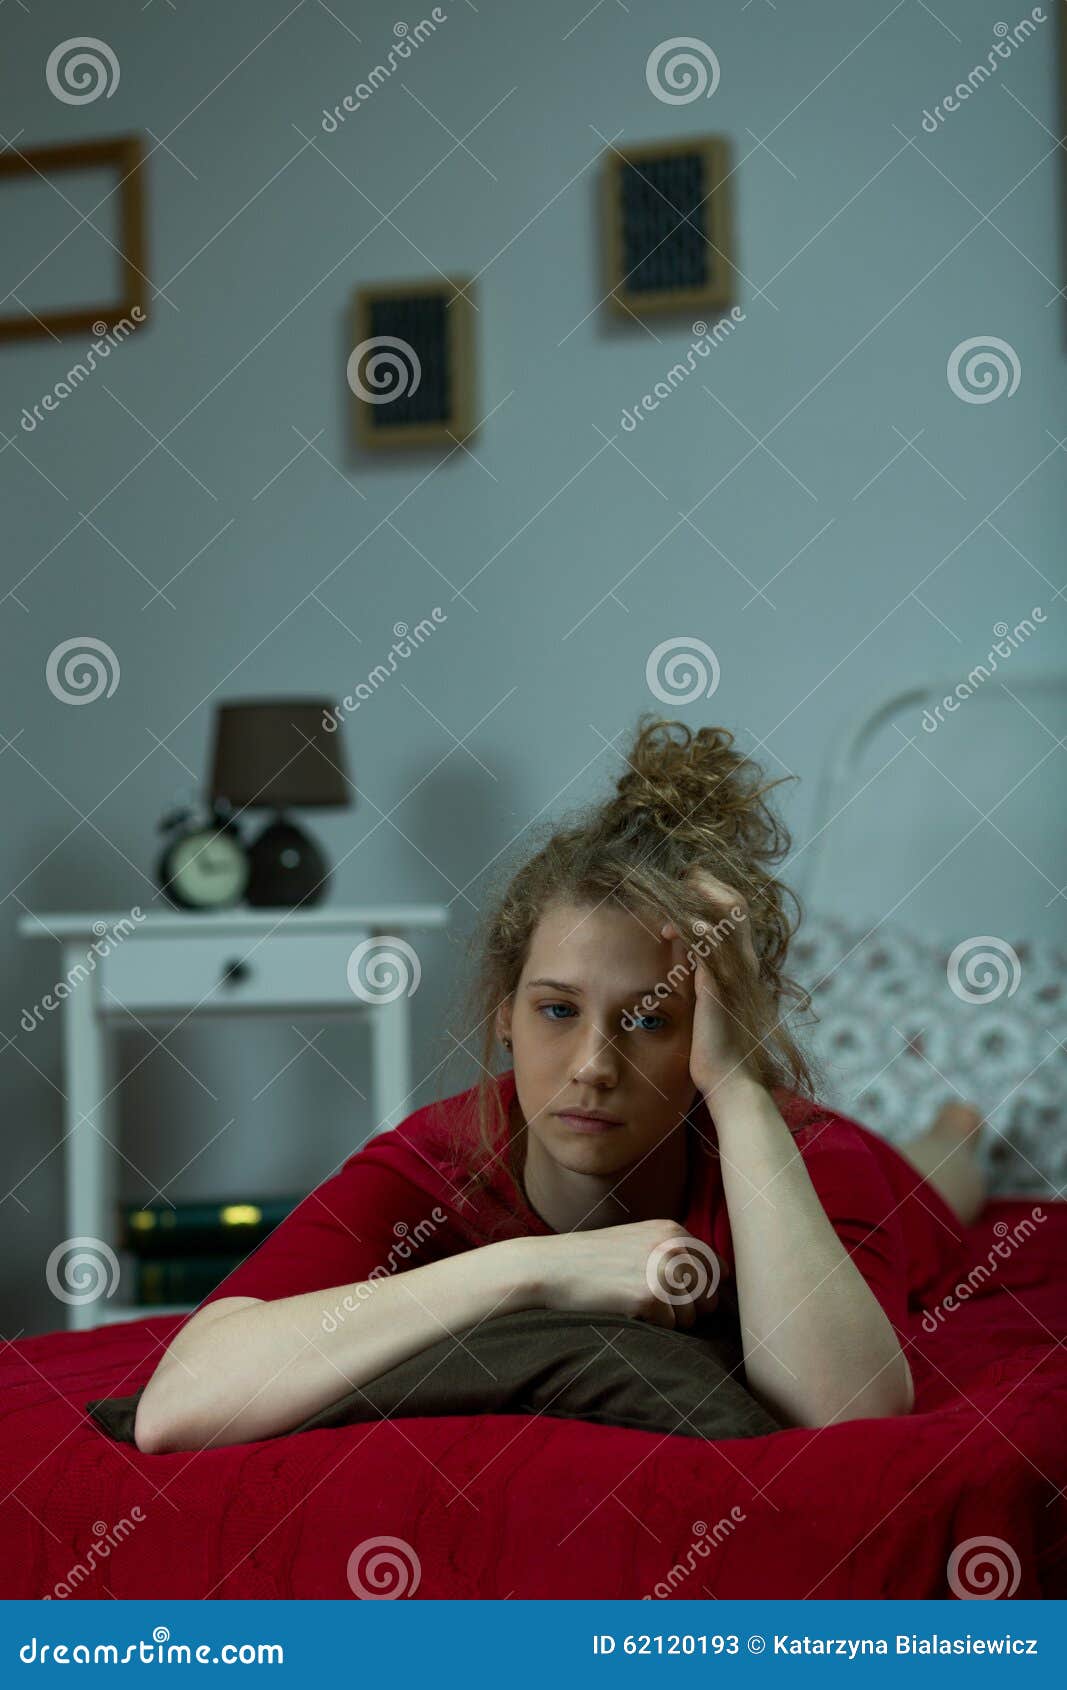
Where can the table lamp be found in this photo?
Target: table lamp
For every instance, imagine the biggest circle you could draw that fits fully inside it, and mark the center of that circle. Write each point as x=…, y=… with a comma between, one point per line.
x=276, y=754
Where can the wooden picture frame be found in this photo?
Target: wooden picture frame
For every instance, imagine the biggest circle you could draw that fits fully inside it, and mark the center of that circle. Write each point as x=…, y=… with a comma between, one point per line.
x=434, y=320
x=126, y=154
x=697, y=249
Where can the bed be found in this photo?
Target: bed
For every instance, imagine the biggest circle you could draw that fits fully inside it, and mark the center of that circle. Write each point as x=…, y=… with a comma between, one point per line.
x=964, y=1498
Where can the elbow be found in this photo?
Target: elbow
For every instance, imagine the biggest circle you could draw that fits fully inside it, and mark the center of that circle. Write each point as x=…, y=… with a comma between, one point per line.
x=156, y=1431
x=888, y=1397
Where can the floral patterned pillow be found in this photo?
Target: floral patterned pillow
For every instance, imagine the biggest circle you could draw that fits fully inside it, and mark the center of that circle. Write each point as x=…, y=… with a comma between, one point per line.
x=905, y=1025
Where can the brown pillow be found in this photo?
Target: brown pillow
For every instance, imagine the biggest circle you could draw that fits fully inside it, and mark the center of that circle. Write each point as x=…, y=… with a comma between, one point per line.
x=611, y=1369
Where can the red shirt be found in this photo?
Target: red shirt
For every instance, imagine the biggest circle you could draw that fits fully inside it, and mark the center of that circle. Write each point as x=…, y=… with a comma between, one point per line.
x=405, y=1198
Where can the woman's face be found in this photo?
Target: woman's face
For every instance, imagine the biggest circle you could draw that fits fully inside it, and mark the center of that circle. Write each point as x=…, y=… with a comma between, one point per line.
x=583, y=1038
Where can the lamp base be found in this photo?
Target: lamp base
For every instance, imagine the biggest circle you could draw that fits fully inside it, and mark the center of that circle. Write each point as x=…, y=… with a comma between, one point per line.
x=287, y=867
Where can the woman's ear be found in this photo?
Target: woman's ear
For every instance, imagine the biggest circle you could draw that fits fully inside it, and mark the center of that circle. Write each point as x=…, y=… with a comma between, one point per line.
x=503, y=1022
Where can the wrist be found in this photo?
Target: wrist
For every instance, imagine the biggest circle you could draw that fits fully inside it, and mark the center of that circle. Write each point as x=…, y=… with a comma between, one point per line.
x=732, y=1093
x=523, y=1272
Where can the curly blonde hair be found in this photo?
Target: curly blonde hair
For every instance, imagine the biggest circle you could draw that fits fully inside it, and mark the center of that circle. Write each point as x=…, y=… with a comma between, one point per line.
x=684, y=803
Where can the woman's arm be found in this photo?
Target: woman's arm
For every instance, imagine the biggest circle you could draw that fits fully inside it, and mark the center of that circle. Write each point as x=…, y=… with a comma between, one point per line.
x=818, y=1345
x=242, y=1369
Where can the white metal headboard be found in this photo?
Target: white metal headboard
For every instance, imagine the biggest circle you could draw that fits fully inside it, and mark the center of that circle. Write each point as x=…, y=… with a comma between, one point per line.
x=837, y=781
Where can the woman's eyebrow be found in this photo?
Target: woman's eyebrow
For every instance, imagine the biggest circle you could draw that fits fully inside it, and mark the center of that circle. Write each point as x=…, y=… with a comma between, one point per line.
x=632, y=996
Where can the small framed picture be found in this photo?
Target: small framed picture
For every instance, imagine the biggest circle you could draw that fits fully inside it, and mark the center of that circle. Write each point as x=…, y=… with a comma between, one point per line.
x=668, y=227
x=411, y=369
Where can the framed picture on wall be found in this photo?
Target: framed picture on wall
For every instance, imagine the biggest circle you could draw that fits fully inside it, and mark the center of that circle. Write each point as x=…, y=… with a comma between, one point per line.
x=411, y=370
x=668, y=227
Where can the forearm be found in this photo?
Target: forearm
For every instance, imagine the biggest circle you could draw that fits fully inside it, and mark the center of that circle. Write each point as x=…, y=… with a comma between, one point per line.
x=818, y=1345
x=257, y=1371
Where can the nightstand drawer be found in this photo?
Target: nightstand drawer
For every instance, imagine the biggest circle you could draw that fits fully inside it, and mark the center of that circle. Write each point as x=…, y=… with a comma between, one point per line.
x=209, y=972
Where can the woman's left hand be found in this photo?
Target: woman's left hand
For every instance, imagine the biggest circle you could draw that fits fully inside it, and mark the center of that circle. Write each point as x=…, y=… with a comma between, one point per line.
x=714, y=1054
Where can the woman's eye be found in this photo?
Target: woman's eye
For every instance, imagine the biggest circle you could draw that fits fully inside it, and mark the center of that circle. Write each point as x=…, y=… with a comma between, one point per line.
x=548, y=1006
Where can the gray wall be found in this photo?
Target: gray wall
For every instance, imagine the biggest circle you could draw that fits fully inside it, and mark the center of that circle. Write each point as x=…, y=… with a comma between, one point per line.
x=890, y=523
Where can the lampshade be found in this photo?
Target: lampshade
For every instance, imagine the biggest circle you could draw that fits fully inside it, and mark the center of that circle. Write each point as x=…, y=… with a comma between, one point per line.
x=276, y=752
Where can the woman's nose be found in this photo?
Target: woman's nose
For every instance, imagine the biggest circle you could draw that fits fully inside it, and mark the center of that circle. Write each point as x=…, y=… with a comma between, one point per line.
x=598, y=1060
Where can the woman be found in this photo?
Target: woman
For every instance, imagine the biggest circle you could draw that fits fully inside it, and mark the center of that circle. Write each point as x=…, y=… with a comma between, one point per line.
x=657, y=1139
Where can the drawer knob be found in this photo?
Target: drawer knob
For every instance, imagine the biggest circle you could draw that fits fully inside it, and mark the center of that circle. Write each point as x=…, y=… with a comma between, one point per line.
x=234, y=972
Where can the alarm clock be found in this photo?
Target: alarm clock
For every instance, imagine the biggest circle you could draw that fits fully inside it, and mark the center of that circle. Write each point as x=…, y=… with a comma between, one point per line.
x=202, y=867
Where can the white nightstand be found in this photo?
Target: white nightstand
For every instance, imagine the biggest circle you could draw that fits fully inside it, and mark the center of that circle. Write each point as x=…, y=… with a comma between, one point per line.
x=170, y=965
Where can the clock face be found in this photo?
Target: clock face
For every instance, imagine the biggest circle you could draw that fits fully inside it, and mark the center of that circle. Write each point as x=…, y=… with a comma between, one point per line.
x=209, y=869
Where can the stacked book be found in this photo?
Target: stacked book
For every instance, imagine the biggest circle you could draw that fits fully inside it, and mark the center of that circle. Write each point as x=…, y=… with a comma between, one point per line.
x=182, y=1251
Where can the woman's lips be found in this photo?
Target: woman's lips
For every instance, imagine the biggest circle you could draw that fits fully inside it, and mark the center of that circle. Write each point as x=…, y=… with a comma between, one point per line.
x=587, y=1124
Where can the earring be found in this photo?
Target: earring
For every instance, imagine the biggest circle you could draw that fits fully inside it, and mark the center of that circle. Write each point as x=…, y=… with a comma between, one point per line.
x=506, y=1042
